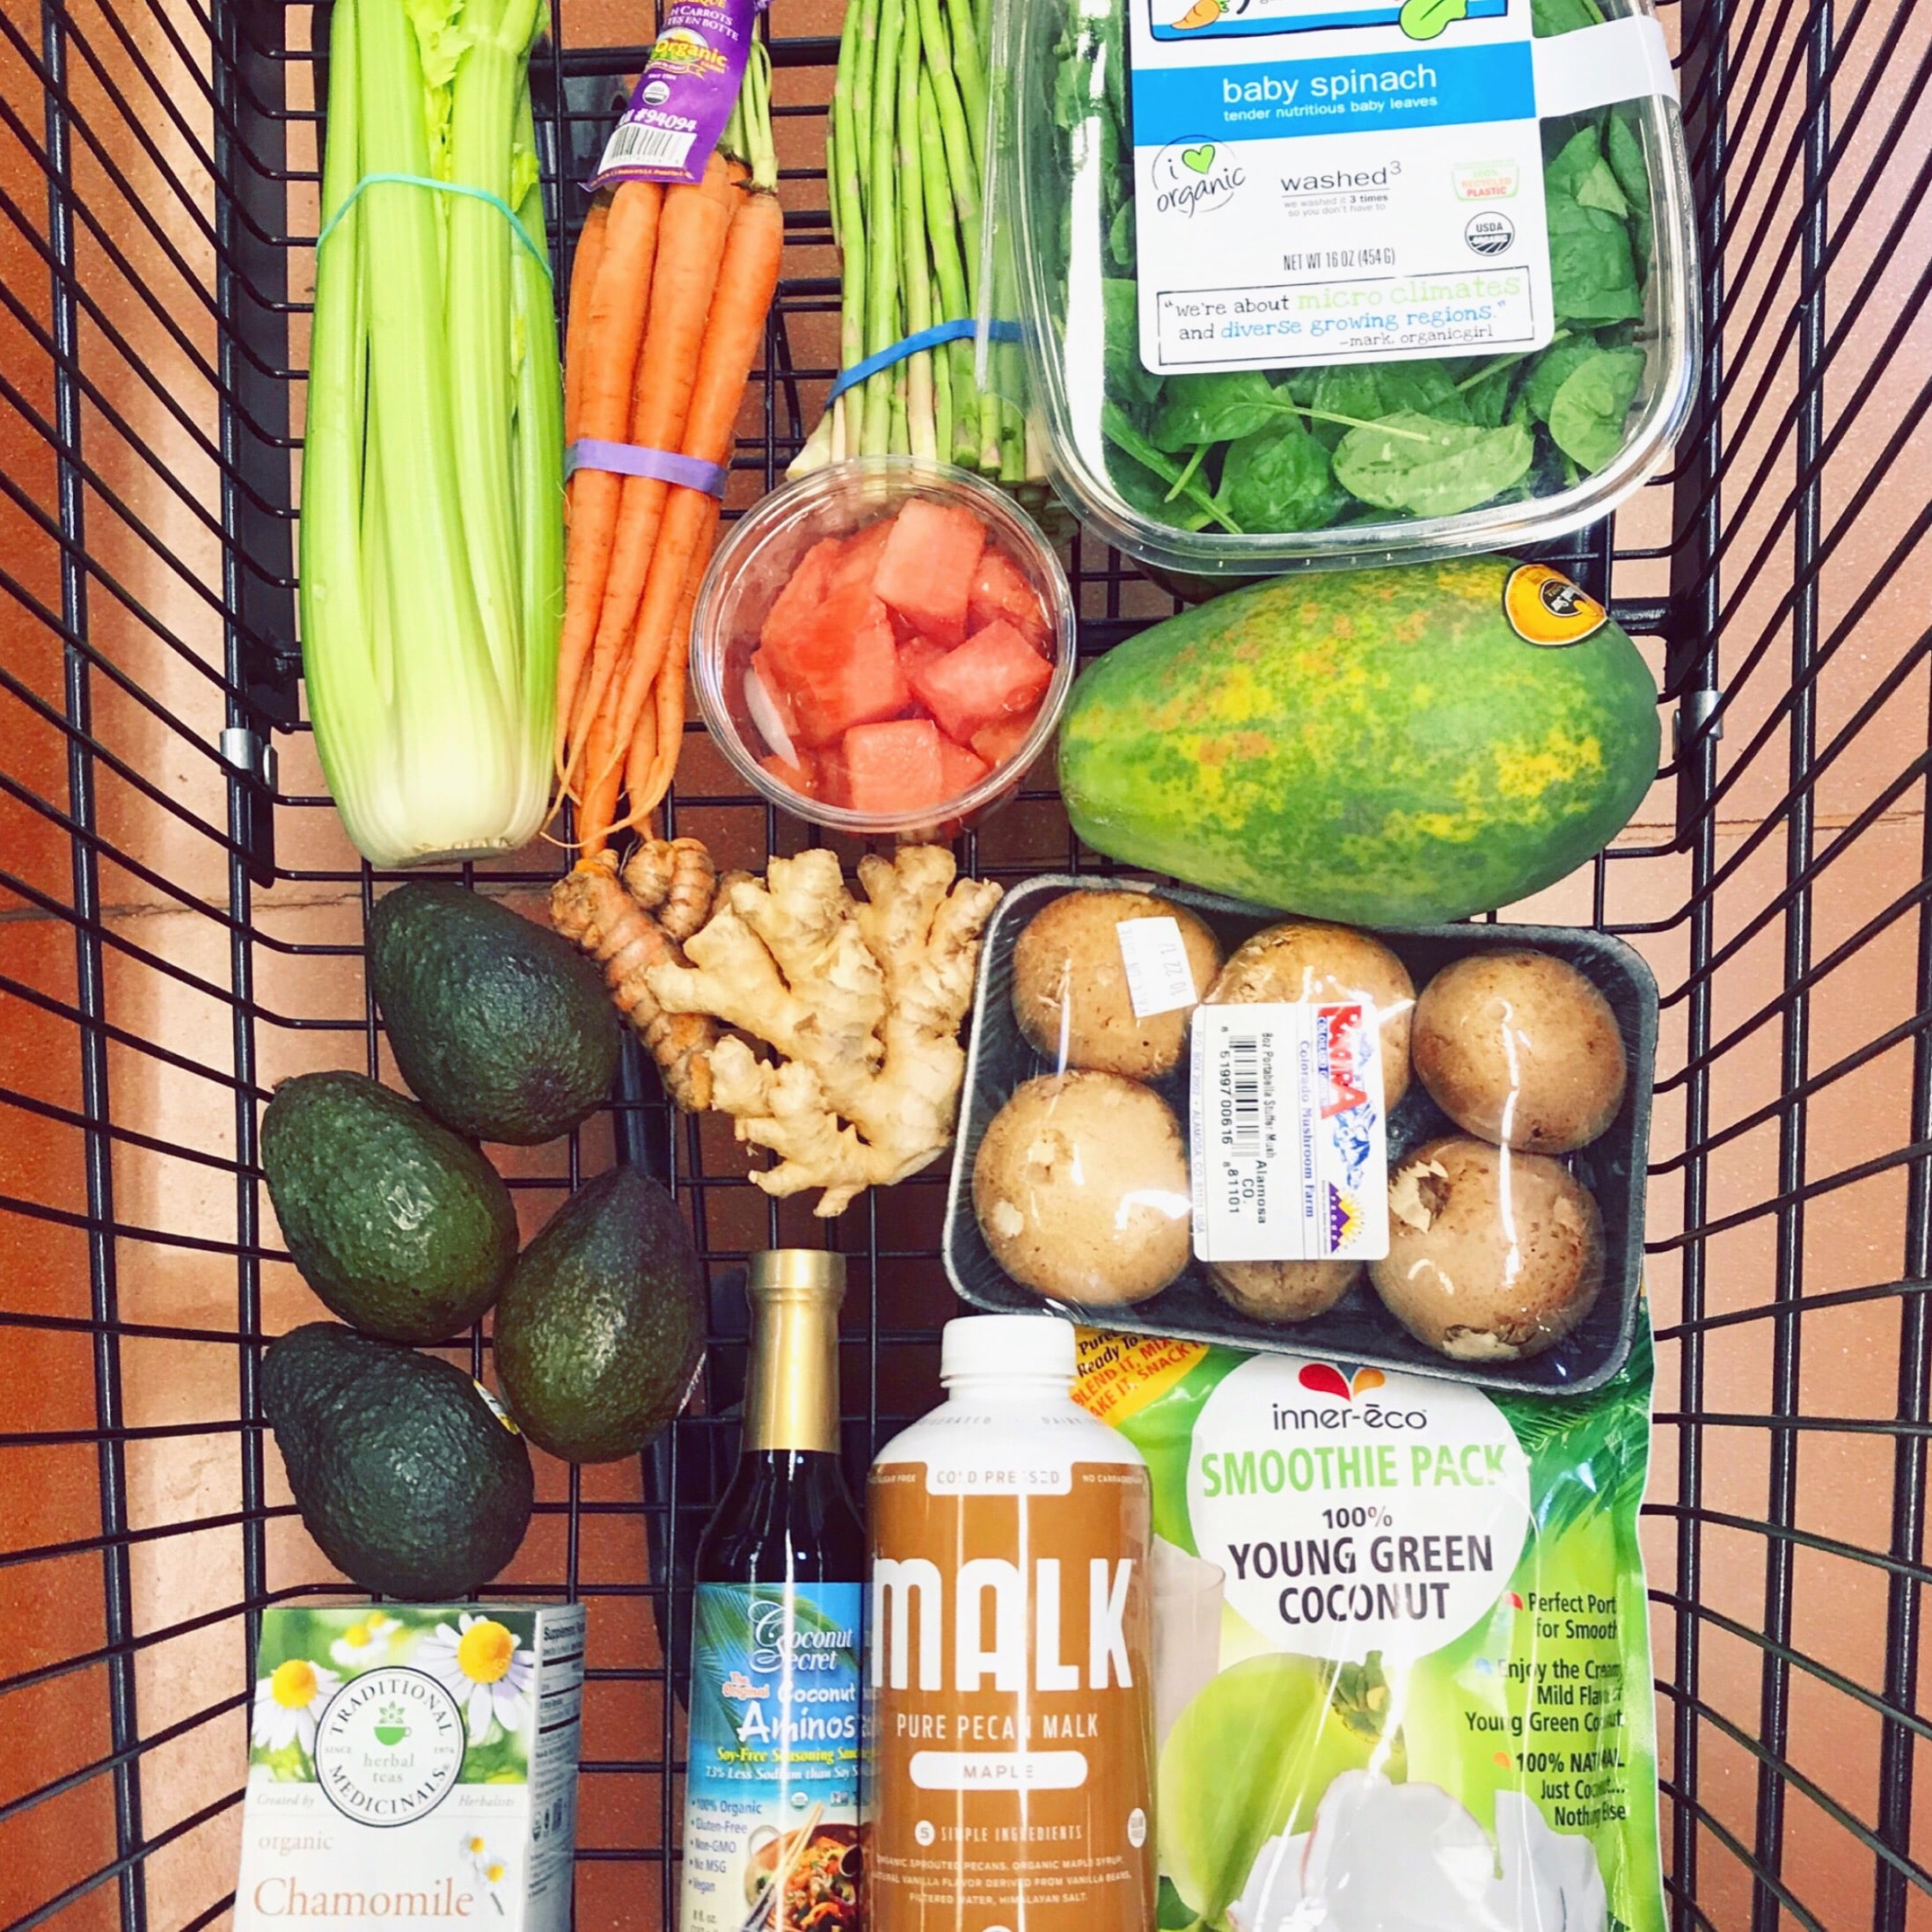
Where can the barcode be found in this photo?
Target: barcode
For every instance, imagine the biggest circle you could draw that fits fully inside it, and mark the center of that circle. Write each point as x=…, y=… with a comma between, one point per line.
x=633, y=142
x=1244, y=1093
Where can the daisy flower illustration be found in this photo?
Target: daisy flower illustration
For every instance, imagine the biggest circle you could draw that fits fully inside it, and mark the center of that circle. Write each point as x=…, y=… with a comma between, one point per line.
x=364, y=1642
x=479, y=1665
x=287, y=1702
x=489, y=1866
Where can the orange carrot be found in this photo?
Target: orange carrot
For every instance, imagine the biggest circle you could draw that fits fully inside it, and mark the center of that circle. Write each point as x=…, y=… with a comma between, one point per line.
x=652, y=761
x=599, y=806
x=612, y=331
x=747, y=280
x=670, y=732
x=694, y=226
x=583, y=272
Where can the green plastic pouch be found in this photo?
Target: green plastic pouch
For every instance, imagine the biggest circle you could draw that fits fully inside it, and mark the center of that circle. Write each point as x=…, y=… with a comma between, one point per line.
x=1402, y=1664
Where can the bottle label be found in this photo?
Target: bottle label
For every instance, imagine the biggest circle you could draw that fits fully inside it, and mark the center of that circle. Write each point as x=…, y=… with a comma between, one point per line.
x=771, y=1801
x=1008, y=1694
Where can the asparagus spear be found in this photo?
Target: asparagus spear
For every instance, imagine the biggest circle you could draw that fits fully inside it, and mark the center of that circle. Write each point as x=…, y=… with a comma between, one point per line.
x=949, y=269
x=915, y=280
x=845, y=164
x=885, y=390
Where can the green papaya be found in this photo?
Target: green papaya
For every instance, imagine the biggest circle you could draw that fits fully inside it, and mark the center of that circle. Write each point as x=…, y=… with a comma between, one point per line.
x=1380, y=747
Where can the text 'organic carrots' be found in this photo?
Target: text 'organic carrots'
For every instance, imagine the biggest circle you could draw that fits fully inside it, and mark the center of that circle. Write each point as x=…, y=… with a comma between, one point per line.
x=675, y=303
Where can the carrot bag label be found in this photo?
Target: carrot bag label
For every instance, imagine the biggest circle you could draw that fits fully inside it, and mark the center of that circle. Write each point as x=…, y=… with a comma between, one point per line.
x=683, y=96
x=1401, y=1652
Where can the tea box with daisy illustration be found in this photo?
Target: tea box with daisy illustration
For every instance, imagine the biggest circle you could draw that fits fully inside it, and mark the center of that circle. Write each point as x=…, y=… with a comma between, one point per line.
x=412, y=1765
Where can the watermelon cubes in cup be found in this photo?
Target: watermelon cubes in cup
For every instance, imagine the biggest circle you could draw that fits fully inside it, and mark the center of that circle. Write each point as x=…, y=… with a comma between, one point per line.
x=884, y=647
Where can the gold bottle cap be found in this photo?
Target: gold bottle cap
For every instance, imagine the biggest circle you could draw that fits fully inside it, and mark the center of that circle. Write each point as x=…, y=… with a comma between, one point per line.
x=791, y=1398
x=813, y=1271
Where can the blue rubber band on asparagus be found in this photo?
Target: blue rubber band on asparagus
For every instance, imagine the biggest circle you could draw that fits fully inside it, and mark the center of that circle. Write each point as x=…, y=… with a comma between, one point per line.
x=911, y=345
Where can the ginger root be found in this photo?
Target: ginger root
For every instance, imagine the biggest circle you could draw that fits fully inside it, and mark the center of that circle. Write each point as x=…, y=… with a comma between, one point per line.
x=591, y=908
x=861, y=1001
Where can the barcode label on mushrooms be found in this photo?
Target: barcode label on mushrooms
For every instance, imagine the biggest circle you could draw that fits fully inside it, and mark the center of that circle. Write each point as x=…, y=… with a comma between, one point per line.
x=1288, y=1142
x=1159, y=978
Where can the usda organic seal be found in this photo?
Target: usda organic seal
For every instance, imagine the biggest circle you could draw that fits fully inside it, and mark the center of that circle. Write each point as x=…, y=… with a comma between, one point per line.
x=389, y=1747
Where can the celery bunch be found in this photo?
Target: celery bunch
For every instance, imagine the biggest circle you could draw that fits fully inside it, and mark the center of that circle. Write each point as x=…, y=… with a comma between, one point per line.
x=432, y=484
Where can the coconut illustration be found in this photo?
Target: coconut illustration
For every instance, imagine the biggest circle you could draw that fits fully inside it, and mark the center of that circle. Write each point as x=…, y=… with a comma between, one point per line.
x=1385, y=1857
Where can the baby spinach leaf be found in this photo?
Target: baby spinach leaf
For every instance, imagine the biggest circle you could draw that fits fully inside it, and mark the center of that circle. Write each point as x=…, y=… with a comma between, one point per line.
x=1119, y=430
x=1549, y=17
x=1599, y=188
x=1427, y=388
x=1581, y=152
x=1278, y=479
x=1128, y=377
x=1547, y=371
x=1120, y=236
x=1414, y=462
x=1215, y=408
x=1593, y=277
x=1425, y=20
x=1346, y=388
x=1587, y=414
x=1488, y=398
x=1623, y=147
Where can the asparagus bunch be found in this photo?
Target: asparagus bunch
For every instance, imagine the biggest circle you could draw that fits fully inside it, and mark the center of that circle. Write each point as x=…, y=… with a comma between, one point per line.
x=905, y=158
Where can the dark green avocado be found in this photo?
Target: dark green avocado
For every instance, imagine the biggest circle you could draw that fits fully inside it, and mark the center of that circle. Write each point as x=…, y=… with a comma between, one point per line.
x=601, y=1326
x=404, y=1472
x=504, y=1030
x=403, y=1229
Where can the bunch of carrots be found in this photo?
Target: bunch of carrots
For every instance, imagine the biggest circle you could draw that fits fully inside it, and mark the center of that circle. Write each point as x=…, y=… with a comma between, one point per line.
x=668, y=304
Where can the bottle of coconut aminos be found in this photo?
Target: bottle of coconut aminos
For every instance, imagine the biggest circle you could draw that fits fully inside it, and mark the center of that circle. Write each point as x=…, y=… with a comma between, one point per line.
x=771, y=1800
x=1009, y=1716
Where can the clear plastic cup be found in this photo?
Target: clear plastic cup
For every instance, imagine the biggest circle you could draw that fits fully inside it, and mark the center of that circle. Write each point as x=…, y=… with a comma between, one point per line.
x=758, y=558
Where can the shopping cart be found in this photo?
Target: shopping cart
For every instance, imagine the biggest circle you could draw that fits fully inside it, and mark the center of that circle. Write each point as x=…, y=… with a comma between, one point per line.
x=181, y=922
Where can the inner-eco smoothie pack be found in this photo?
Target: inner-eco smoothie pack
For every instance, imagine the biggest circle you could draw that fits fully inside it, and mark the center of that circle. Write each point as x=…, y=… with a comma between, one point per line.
x=1401, y=1655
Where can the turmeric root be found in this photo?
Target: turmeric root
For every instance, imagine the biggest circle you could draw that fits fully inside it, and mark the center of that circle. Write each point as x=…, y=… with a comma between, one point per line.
x=674, y=879
x=864, y=1003
x=589, y=907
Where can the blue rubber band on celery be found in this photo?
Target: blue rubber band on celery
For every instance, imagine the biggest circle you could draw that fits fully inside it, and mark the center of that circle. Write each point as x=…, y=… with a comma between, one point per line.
x=442, y=187
x=911, y=345
x=634, y=459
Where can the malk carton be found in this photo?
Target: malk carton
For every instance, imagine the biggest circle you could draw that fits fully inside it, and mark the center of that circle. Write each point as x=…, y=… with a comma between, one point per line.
x=413, y=1766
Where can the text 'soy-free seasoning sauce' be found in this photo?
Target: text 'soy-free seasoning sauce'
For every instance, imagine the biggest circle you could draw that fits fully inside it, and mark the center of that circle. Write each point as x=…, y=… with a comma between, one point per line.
x=1009, y=1758
x=772, y=1802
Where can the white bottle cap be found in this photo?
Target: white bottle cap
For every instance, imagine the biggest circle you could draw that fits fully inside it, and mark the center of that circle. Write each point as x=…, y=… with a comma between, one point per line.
x=1019, y=1348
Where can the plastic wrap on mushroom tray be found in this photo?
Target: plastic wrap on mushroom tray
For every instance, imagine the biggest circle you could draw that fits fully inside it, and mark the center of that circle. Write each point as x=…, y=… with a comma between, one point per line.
x=1401, y=1659
x=1420, y=1149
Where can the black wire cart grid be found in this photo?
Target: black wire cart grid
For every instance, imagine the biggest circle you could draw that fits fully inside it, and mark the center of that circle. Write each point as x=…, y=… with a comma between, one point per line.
x=181, y=923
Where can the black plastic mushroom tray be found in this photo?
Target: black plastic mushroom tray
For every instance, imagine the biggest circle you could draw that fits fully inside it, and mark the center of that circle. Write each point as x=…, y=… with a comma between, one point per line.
x=1358, y=1331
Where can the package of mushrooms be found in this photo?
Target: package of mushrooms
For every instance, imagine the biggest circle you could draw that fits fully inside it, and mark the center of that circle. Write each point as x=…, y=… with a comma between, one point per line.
x=1423, y=1150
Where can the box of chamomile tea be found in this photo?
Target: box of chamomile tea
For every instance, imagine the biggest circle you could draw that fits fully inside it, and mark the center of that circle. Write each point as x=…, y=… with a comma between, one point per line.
x=413, y=1764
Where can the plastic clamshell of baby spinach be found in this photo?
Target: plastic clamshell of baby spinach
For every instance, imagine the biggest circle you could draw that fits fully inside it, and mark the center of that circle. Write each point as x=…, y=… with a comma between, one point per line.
x=1248, y=484
x=1359, y=1328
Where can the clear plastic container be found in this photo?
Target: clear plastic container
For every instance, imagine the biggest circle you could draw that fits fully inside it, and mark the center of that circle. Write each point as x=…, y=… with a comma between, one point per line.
x=1069, y=197
x=757, y=559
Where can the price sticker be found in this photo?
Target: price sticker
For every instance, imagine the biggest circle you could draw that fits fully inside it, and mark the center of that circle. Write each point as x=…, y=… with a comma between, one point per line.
x=1159, y=978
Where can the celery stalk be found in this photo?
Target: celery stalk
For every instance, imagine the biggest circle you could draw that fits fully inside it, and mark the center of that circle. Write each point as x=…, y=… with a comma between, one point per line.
x=539, y=478
x=432, y=506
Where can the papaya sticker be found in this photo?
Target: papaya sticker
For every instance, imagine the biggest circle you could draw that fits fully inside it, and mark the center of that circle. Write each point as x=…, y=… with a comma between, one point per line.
x=1544, y=607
